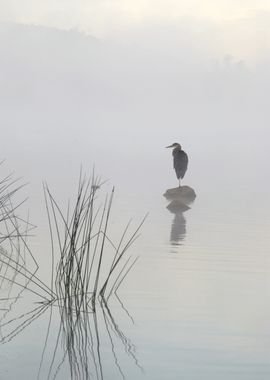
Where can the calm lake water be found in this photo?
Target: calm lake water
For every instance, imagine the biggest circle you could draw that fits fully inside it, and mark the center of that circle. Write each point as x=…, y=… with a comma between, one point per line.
x=194, y=306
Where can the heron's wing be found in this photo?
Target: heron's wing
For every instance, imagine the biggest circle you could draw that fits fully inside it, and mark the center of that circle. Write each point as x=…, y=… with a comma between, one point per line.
x=180, y=163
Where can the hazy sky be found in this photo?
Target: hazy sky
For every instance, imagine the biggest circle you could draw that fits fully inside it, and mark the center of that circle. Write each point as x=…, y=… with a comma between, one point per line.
x=238, y=27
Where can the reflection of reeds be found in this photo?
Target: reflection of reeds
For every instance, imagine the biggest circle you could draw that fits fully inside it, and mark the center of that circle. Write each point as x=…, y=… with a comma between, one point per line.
x=80, y=345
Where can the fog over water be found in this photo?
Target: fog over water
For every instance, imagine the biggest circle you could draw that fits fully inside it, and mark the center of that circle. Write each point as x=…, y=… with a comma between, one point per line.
x=114, y=99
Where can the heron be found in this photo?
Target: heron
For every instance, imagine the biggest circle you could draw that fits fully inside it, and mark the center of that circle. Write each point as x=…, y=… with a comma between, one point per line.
x=180, y=160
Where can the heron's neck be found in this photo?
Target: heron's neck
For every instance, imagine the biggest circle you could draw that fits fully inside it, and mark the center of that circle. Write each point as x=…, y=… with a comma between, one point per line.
x=177, y=149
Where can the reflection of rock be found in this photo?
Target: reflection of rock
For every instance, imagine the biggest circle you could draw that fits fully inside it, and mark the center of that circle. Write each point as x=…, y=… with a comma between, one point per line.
x=183, y=194
x=177, y=206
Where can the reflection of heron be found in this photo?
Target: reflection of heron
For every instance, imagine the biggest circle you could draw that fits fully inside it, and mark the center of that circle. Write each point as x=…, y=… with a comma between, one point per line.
x=178, y=230
x=180, y=160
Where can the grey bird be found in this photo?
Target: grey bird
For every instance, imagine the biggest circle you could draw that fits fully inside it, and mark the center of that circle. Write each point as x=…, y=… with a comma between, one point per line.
x=180, y=160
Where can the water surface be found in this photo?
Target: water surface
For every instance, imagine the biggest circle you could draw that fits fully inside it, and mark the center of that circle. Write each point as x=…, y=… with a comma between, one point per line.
x=193, y=307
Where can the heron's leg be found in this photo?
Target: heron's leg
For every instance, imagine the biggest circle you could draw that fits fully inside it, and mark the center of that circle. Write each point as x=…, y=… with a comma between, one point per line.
x=179, y=182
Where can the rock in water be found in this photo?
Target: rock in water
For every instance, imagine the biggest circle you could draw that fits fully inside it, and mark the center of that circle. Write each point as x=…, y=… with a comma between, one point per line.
x=184, y=194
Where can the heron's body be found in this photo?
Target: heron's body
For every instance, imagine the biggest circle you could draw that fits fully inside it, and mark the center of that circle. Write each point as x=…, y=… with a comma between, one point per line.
x=180, y=160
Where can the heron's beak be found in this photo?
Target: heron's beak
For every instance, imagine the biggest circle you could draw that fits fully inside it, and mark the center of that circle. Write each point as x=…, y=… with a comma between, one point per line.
x=170, y=146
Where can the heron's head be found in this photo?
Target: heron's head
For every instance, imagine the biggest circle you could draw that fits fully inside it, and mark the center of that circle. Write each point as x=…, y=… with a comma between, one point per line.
x=174, y=145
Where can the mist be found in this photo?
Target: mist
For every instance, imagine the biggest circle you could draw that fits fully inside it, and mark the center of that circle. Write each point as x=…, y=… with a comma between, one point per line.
x=69, y=99
x=105, y=92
